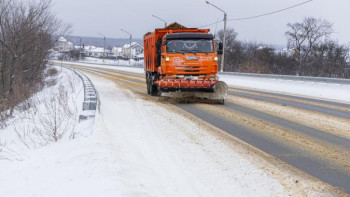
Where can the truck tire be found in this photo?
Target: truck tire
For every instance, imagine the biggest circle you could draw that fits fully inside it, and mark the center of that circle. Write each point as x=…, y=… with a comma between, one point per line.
x=153, y=88
x=147, y=82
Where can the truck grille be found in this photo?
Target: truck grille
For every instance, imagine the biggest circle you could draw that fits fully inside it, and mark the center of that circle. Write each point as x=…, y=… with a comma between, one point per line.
x=190, y=69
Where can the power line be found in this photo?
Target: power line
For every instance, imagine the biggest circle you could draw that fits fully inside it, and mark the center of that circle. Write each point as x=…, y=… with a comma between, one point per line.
x=214, y=23
x=269, y=13
x=257, y=16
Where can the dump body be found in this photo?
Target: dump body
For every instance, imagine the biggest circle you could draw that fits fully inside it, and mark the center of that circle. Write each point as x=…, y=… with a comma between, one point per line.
x=180, y=60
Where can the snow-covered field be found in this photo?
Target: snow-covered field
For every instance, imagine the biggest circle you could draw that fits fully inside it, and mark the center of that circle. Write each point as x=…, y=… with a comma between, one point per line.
x=137, y=148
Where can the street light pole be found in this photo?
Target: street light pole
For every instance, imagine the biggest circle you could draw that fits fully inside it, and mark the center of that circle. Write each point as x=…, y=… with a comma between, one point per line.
x=130, y=43
x=224, y=39
x=104, y=47
x=80, y=49
x=224, y=44
x=165, y=23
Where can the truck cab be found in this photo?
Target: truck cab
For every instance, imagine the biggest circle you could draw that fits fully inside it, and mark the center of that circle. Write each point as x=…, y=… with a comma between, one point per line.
x=188, y=55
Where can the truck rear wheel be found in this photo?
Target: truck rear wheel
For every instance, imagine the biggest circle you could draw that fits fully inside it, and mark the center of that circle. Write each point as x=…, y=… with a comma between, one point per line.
x=152, y=89
x=147, y=83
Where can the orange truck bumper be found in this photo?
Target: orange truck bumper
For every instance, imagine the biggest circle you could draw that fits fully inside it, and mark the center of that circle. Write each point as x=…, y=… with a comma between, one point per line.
x=186, y=85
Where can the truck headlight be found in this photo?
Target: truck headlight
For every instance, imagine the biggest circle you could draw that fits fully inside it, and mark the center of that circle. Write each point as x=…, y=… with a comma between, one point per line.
x=167, y=59
x=216, y=58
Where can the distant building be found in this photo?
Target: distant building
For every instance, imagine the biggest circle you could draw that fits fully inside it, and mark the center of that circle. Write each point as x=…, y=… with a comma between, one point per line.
x=117, y=51
x=63, y=45
x=285, y=51
x=97, y=52
x=133, y=51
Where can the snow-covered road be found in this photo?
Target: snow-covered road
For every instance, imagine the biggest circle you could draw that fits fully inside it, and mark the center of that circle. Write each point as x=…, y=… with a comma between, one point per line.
x=157, y=152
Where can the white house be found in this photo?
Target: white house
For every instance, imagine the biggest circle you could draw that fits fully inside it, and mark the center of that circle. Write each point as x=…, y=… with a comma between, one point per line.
x=97, y=52
x=133, y=51
x=117, y=51
x=63, y=45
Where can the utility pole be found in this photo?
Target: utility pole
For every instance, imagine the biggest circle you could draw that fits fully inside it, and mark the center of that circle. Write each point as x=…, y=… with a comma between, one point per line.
x=165, y=23
x=80, y=49
x=224, y=39
x=104, y=47
x=130, y=55
x=224, y=44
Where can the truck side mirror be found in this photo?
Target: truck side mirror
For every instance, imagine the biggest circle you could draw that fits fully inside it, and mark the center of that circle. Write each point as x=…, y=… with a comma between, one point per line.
x=220, y=50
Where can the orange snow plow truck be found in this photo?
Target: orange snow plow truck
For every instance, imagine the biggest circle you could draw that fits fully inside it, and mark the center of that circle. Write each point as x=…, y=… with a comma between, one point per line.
x=183, y=62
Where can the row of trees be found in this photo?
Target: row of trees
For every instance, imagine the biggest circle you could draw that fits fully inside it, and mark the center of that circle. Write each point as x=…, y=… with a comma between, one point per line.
x=26, y=35
x=312, y=53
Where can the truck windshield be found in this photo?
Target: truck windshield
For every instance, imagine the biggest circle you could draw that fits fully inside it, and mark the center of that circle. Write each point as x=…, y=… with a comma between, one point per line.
x=190, y=46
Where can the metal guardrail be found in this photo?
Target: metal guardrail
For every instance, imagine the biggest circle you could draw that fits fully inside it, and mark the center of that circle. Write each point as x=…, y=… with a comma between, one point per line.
x=91, y=98
x=290, y=77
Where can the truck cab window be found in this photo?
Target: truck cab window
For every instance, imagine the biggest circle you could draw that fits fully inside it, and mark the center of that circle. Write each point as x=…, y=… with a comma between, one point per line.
x=190, y=46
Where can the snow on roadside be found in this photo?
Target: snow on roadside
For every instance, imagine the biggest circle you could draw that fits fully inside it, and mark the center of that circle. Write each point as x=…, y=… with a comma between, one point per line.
x=122, y=68
x=31, y=161
x=132, y=62
x=339, y=92
x=58, y=103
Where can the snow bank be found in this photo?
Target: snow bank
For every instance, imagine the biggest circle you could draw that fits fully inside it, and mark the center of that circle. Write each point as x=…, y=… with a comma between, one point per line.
x=31, y=163
x=339, y=92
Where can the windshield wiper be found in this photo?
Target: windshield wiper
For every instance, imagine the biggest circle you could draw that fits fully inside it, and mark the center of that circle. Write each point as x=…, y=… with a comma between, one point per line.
x=197, y=51
x=182, y=51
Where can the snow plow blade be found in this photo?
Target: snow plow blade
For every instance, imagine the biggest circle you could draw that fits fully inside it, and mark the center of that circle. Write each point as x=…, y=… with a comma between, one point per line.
x=219, y=94
x=211, y=90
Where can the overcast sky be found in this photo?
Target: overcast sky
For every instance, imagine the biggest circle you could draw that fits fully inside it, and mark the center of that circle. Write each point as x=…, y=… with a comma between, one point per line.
x=90, y=17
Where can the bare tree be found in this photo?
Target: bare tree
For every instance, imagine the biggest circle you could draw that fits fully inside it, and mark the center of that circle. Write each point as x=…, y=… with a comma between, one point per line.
x=233, y=49
x=59, y=119
x=27, y=30
x=304, y=36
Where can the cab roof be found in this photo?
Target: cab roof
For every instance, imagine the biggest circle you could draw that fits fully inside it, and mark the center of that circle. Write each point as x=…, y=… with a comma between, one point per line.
x=188, y=35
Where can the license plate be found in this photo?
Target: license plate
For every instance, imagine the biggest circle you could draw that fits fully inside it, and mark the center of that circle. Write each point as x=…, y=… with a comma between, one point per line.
x=191, y=58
